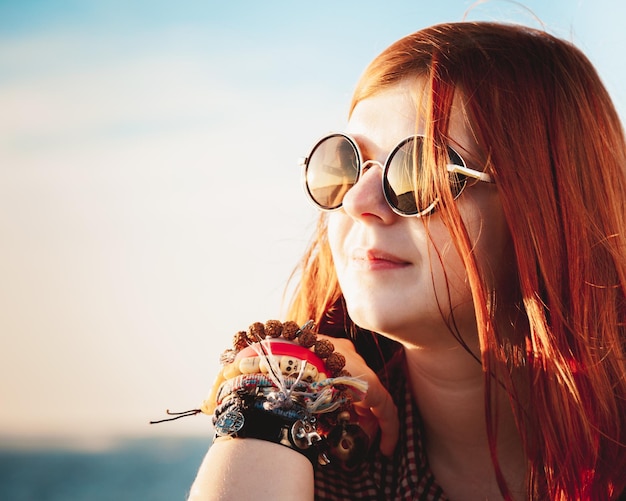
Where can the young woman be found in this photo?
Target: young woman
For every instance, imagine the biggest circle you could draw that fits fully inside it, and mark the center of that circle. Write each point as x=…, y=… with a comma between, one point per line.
x=472, y=248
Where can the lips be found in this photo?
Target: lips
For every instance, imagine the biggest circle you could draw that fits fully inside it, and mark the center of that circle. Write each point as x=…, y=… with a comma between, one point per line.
x=376, y=259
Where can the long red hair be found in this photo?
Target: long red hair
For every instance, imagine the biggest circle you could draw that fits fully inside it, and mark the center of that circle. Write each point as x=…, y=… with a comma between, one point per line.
x=548, y=133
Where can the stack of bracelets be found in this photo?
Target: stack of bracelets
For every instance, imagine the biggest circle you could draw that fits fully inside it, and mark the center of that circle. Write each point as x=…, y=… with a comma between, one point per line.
x=282, y=384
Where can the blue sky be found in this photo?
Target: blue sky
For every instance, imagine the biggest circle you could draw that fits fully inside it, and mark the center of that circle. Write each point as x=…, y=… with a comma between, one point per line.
x=150, y=203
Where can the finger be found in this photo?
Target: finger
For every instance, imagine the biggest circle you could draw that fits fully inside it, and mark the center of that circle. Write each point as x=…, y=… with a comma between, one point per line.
x=378, y=402
x=387, y=415
x=377, y=409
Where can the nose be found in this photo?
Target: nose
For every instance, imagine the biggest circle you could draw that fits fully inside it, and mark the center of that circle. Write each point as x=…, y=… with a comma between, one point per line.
x=365, y=200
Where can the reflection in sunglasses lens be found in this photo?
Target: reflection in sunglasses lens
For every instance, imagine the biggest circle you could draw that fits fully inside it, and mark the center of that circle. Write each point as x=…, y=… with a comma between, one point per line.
x=399, y=185
x=331, y=171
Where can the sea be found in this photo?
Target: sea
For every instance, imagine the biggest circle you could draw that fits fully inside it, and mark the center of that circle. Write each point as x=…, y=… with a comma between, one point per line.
x=138, y=469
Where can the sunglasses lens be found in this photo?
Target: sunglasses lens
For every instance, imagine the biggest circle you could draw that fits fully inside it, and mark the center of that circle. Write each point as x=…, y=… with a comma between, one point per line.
x=401, y=179
x=332, y=169
x=457, y=181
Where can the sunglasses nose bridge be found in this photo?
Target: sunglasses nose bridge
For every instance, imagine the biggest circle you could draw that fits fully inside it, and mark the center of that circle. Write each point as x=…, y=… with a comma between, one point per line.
x=366, y=195
x=369, y=163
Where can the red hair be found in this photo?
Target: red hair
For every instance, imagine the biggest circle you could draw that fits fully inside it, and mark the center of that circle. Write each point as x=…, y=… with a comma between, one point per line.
x=548, y=133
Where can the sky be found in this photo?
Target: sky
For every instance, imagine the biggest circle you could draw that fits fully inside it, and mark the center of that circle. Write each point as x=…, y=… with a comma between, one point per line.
x=150, y=199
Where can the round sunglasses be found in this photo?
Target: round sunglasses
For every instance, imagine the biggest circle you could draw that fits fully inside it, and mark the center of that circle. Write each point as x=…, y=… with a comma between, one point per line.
x=335, y=164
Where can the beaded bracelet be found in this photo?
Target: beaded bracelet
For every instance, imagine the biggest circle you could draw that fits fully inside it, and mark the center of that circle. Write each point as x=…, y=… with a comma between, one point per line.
x=245, y=416
x=258, y=400
x=281, y=384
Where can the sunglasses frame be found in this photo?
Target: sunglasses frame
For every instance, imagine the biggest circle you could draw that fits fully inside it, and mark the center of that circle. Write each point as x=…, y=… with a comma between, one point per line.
x=363, y=165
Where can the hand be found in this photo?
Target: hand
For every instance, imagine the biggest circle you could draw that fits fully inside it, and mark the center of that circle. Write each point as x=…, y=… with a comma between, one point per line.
x=377, y=409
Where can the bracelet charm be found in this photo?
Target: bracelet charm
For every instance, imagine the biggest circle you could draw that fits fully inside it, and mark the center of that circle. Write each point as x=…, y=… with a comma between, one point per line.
x=304, y=434
x=229, y=423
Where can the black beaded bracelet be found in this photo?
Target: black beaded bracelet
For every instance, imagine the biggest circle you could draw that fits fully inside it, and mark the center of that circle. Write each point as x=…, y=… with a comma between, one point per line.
x=243, y=419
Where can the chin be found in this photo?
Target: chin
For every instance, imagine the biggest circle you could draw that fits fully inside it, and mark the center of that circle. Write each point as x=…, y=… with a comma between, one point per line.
x=409, y=325
x=378, y=319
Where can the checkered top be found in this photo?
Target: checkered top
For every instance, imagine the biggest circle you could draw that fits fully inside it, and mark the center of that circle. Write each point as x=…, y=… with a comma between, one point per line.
x=405, y=476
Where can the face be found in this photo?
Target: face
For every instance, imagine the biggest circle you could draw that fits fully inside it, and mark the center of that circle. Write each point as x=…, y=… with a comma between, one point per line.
x=401, y=276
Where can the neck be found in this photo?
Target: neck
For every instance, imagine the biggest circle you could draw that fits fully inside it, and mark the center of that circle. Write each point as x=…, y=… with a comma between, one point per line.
x=448, y=388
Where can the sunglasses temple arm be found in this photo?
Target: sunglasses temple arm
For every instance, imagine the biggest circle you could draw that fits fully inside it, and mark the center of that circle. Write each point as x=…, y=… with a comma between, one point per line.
x=466, y=171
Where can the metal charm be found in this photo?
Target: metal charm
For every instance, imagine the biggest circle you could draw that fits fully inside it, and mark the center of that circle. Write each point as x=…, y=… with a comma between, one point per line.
x=304, y=434
x=229, y=423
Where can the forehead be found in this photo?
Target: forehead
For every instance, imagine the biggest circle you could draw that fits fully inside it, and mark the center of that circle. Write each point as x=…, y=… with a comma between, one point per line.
x=382, y=120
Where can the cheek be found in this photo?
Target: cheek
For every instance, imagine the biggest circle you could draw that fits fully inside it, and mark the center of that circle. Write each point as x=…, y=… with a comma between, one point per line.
x=448, y=276
x=490, y=237
x=338, y=228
